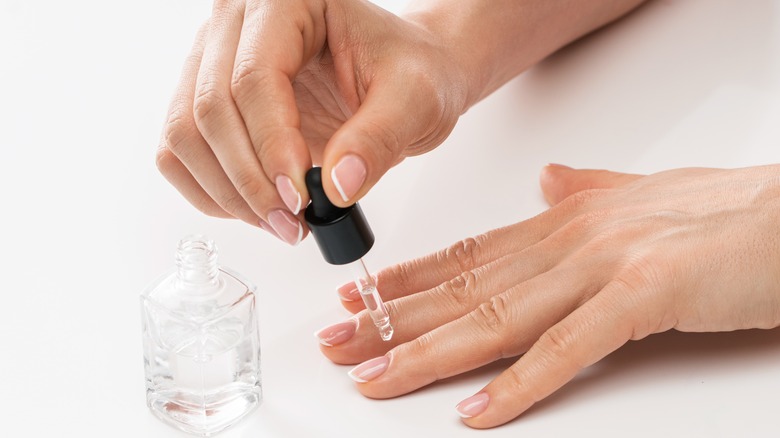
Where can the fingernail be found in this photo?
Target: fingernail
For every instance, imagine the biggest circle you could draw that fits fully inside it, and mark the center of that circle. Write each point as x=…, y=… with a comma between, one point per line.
x=286, y=226
x=348, y=176
x=473, y=406
x=560, y=166
x=288, y=193
x=370, y=369
x=337, y=333
x=264, y=225
x=348, y=292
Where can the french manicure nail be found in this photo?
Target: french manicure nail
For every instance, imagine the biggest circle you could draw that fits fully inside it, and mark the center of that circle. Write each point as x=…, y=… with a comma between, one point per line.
x=473, y=406
x=370, y=369
x=286, y=226
x=349, y=292
x=337, y=333
x=560, y=166
x=348, y=176
x=288, y=193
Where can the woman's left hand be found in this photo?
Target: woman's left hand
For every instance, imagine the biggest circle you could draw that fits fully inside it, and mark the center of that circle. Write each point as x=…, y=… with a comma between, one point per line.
x=617, y=257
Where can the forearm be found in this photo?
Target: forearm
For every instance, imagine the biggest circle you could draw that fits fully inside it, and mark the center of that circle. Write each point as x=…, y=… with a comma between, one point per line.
x=495, y=40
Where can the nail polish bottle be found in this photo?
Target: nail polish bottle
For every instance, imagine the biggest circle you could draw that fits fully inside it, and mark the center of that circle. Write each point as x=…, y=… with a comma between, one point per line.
x=201, y=342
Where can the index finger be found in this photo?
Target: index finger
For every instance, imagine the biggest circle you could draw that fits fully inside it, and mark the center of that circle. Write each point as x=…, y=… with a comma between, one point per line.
x=277, y=40
x=222, y=126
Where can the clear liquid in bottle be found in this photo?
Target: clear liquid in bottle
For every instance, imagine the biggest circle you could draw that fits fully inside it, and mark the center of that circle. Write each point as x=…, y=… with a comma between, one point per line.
x=201, y=343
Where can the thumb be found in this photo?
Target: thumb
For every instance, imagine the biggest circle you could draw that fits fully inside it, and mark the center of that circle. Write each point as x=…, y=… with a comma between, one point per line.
x=559, y=182
x=373, y=140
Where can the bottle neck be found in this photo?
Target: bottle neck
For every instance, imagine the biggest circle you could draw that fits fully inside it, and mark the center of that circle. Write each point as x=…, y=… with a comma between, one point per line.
x=196, y=263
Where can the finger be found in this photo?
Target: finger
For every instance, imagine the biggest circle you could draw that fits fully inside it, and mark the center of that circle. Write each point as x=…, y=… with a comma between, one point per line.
x=221, y=124
x=504, y=326
x=390, y=119
x=596, y=329
x=185, y=159
x=420, y=313
x=262, y=80
x=432, y=270
x=179, y=177
x=559, y=182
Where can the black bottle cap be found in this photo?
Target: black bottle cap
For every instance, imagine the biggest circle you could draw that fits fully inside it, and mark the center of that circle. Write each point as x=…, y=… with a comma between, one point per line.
x=342, y=234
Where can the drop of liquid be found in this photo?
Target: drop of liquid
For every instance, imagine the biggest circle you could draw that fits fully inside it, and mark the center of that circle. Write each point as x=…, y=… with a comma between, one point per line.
x=386, y=332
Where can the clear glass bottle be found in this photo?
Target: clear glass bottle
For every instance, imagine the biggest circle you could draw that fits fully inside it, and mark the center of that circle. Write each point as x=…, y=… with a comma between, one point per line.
x=201, y=343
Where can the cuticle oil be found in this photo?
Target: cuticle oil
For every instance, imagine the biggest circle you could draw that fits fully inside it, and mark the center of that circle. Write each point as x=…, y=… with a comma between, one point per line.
x=201, y=343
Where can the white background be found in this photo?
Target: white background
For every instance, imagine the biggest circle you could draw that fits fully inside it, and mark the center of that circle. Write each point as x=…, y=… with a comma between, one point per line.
x=87, y=222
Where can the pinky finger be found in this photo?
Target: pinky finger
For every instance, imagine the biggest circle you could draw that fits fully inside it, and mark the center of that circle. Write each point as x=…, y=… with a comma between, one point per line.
x=177, y=174
x=587, y=335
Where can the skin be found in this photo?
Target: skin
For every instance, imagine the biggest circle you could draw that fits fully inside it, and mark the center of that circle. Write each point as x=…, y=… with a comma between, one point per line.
x=273, y=86
x=617, y=257
x=342, y=78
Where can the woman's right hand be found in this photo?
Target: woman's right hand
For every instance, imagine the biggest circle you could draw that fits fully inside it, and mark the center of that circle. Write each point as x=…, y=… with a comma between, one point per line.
x=272, y=87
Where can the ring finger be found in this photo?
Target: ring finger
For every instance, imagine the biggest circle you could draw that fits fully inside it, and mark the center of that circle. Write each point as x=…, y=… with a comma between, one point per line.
x=504, y=326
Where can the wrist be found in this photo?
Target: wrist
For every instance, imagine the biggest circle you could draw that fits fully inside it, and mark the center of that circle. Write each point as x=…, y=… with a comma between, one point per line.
x=474, y=64
x=492, y=41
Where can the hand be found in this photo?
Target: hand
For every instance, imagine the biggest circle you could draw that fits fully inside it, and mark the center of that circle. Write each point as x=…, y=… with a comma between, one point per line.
x=617, y=257
x=272, y=86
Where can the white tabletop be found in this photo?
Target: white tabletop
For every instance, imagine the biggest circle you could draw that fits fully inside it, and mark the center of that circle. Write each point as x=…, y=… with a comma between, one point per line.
x=87, y=222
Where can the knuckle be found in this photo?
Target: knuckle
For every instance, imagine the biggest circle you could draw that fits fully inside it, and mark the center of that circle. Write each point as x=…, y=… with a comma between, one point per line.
x=462, y=289
x=274, y=144
x=578, y=200
x=231, y=203
x=165, y=160
x=402, y=275
x=643, y=273
x=208, y=103
x=583, y=224
x=514, y=380
x=556, y=344
x=387, y=144
x=494, y=315
x=178, y=132
x=424, y=346
x=223, y=8
x=209, y=207
x=641, y=283
x=245, y=78
x=465, y=253
x=246, y=184
x=391, y=306
x=604, y=239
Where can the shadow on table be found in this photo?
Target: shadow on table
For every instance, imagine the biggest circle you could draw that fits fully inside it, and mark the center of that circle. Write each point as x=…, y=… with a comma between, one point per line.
x=653, y=360
x=669, y=355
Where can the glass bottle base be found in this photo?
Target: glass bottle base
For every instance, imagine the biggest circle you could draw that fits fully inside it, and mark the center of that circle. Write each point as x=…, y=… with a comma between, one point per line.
x=205, y=416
